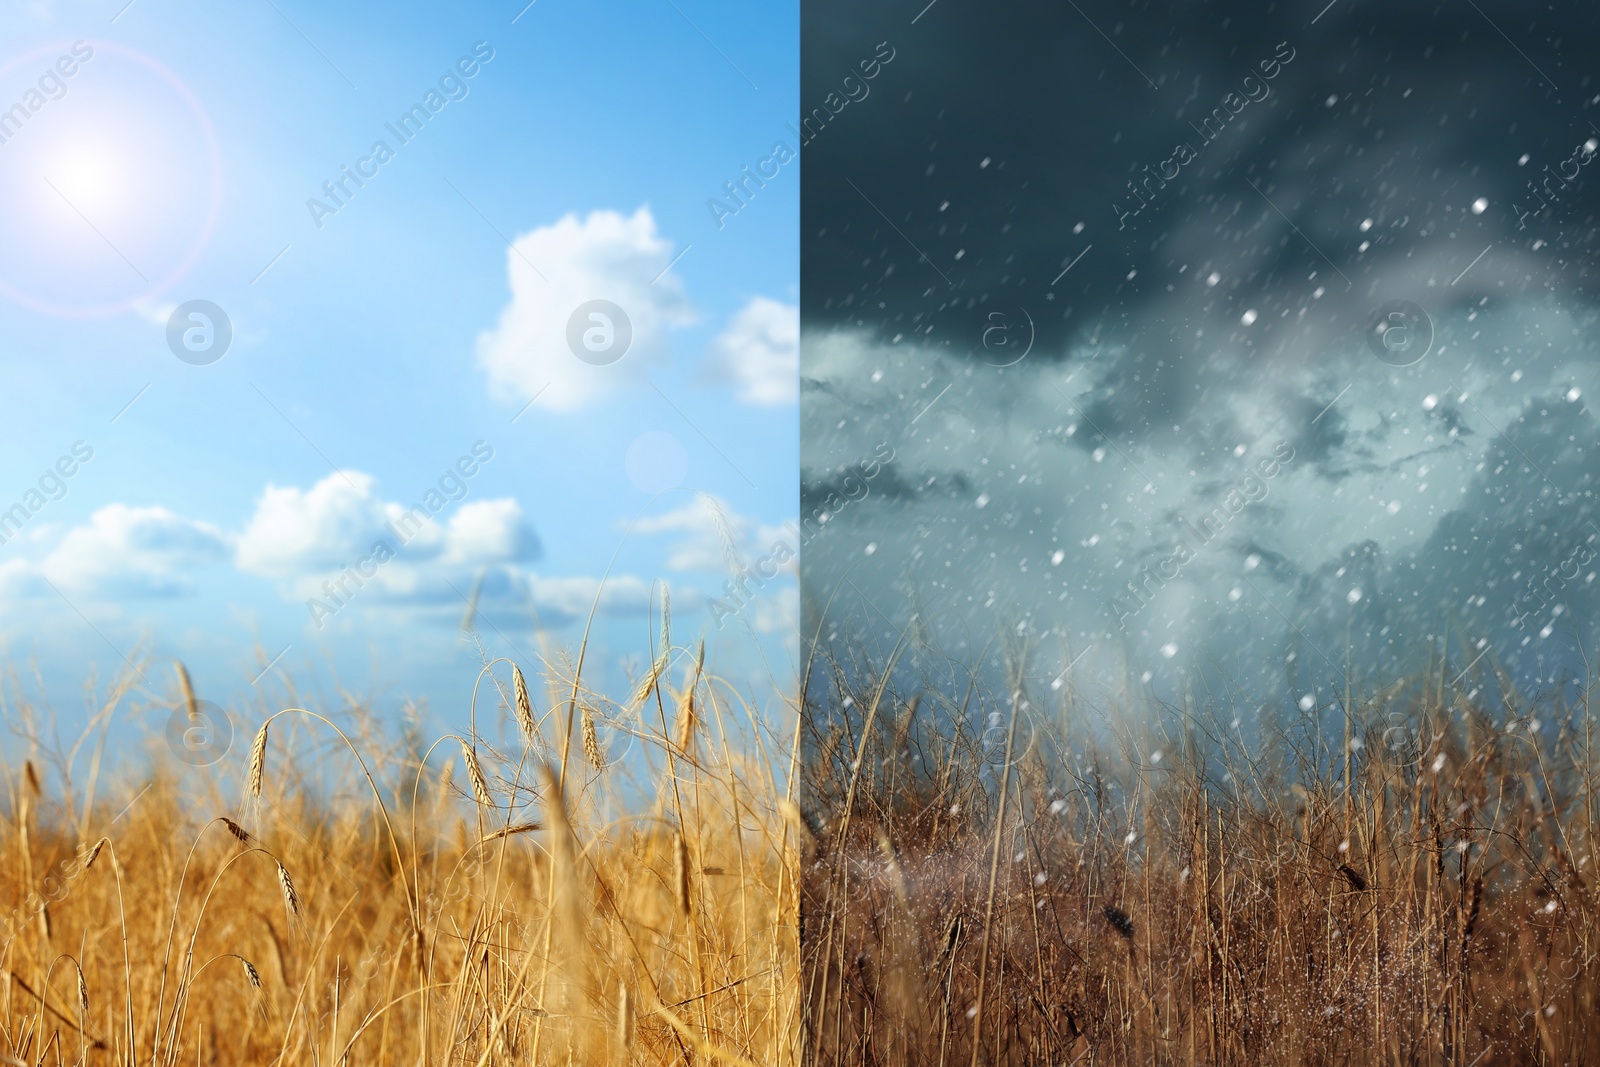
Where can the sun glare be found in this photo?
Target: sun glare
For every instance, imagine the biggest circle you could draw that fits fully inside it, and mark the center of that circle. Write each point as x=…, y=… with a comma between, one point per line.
x=85, y=173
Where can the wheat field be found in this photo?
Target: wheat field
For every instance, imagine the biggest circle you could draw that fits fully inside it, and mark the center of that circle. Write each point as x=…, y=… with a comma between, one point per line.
x=1015, y=878
x=339, y=893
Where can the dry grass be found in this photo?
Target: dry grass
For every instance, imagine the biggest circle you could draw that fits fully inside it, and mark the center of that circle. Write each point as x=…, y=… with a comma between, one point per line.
x=339, y=898
x=1156, y=885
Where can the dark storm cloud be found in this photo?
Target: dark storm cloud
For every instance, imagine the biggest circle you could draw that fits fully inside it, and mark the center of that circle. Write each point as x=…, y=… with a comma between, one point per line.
x=1395, y=153
x=890, y=484
x=1000, y=128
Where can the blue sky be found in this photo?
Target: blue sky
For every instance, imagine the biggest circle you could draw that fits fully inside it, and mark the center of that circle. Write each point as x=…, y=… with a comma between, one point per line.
x=382, y=350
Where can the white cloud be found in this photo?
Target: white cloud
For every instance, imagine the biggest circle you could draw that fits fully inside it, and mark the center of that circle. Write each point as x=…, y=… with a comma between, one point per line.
x=309, y=533
x=759, y=353
x=325, y=527
x=318, y=543
x=705, y=543
x=132, y=551
x=324, y=542
x=19, y=580
x=605, y=256
x=561, y=600
x=508, y=596
x=489, y=531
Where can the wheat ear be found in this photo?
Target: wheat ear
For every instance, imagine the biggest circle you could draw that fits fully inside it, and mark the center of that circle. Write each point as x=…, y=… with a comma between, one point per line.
x=258, y=760
x=524, y=705
x=291, y=899
x=680, y=870
x=480, y=784
x=591, y=742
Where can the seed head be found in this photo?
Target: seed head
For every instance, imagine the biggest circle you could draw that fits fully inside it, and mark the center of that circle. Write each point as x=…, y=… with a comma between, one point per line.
x=513, y=831
x=591, y=742
x=647, y=684
x=1351, y=875
x=680, y=864
x=291, y=899
x=480, y=784
x=93, y=853
x=524, y=705
x=258, y=760
x=189, y=702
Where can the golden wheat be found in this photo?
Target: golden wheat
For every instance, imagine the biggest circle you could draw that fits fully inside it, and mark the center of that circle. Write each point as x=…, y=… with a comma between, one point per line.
x=480, y=784
x=399, y=924
x=591, y=740
x=524, y=706
x=258, y=760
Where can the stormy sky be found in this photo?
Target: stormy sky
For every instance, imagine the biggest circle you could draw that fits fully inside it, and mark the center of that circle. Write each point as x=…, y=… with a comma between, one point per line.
x=1247, y=340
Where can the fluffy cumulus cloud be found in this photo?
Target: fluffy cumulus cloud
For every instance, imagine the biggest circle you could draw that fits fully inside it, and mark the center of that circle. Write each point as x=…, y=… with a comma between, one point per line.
x=339, y=542
x=561, y=600
x=343, y=551
x=759, y=354
x=326, y=526
x=707, y=535
x=486, y=532
x=130, y=552
x=299, y=532
x=553, y=271
x=331, y=541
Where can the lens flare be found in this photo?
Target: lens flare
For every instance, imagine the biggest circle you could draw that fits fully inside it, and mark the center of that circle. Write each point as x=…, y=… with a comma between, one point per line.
x=114, y=179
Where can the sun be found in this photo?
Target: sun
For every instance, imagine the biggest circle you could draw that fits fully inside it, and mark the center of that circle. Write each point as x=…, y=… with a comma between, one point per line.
x=112, y=193
x=89, y=174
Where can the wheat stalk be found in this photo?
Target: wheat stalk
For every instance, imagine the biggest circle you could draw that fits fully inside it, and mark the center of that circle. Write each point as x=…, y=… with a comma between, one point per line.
x=93, y=853
x=686, y=721
x=291, y=899
x=797, y=820
x=513, y=831
x=666, y=618
x=591, y=742
x=725, y=538
x=651, y=677
x=686, y=706
x=680, y=871
x=480, y=784
x=658, y=666
x=189, y=702
x=624, y=1021
x=258, y=760
x=524, y=705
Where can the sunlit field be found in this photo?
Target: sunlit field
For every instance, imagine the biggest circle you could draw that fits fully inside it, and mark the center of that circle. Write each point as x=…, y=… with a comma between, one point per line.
x=341, y=890
x=1142, y=883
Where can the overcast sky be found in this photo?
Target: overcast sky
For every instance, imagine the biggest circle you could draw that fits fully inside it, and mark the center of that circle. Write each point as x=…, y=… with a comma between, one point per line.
x=1106, y=276
x=402, y=217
